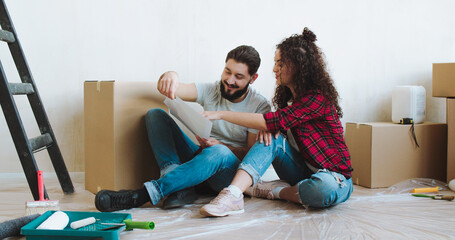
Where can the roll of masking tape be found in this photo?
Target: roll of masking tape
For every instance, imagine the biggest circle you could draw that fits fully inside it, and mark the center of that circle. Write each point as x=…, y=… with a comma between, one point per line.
x=82, y=223
x=56, y=221
x=452, y=185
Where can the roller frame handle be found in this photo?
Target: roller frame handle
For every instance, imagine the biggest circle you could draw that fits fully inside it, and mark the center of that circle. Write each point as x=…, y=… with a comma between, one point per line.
x=141, y=225
x=40, y=185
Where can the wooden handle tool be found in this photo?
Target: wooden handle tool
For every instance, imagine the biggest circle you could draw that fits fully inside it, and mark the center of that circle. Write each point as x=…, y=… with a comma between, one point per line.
x=428, y=189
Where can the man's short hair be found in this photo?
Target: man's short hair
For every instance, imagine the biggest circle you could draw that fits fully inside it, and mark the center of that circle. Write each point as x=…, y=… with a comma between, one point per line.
x=247, y=55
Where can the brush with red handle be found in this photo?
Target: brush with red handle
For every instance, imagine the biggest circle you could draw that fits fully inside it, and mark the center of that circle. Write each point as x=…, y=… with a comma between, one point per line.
x=40, y=185
x=42, y=205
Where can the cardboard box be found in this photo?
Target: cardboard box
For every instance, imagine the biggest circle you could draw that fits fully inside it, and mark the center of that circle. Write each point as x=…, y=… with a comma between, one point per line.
x=450, y=138
x=443, y=79
x=117, y=151
x=383, y=154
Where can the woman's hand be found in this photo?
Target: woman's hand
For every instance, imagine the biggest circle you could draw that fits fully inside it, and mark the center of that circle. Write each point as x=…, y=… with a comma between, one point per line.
x=266, y=137
x=212, y=115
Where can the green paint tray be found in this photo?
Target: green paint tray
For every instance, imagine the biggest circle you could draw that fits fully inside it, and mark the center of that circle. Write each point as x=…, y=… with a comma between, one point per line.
x=91, y=231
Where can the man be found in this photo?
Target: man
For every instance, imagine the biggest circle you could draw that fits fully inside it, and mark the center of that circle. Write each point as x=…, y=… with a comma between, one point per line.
x=183, y=164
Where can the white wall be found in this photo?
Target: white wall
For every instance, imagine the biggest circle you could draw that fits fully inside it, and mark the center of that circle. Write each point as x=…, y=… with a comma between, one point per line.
x=370, y=46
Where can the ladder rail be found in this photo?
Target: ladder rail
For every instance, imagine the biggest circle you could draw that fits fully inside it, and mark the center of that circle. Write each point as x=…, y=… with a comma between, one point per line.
x=35, y=103
x=19, y=135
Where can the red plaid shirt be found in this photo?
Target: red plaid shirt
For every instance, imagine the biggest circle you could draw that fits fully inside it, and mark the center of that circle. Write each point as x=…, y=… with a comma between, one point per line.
x=317, y=130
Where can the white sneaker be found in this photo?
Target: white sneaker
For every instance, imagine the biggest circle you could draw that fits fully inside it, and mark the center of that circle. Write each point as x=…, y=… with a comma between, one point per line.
x=263, y=189
x=224, y=204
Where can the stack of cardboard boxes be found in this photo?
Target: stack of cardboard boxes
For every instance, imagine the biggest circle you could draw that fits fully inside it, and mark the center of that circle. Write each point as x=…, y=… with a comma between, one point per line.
x=383, y=154
x=444, y=86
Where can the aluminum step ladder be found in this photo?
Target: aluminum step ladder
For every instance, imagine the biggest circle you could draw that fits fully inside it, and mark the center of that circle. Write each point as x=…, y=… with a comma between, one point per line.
x=27, y=147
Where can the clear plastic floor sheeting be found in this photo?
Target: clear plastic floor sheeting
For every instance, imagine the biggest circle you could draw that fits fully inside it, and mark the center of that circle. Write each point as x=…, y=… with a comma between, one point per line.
x=388, y=213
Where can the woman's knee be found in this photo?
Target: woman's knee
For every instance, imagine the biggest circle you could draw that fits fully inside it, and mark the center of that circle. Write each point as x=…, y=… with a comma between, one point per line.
x=278, y=141
x=318, y=191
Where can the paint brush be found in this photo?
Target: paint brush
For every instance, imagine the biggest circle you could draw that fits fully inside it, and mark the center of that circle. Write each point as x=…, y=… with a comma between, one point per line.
x=42, y=205
x=436, y=197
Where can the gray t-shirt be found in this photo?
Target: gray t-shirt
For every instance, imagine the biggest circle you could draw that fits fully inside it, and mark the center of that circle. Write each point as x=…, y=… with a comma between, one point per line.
x=209, y=96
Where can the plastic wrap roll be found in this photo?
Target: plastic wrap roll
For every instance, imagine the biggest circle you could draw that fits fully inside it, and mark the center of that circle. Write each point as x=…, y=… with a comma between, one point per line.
x=13, y=227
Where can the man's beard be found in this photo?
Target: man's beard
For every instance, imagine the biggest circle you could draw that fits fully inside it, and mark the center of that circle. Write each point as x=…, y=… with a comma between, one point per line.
x=235, y=95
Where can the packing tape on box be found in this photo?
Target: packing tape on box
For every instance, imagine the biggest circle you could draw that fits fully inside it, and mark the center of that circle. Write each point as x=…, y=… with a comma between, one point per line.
x=56, y=221
x=98, y=86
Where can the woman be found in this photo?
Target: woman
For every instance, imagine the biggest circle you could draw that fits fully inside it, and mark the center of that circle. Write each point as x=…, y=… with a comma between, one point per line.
x=313, y=161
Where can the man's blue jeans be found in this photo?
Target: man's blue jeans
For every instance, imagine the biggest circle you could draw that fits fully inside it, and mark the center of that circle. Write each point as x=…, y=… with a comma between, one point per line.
x=321, y=189
x=180, y=169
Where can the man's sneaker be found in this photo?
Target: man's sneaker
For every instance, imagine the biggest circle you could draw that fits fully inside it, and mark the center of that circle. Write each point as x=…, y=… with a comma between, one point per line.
x=263, y=189
x=180, y=198
x=224, y=204
x=109, y=201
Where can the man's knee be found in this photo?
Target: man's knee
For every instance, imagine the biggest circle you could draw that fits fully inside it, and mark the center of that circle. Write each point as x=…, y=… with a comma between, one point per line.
x=223, y=154
x=156, y=116
x=219, y=149
x=155, y=113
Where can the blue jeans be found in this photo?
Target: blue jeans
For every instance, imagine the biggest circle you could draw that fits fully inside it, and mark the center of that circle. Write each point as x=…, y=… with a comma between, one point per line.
x=174, y=152
x=321, y=189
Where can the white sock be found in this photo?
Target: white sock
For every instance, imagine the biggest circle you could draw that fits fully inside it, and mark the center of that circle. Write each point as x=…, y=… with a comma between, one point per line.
x=276, y=192
x=235, y=190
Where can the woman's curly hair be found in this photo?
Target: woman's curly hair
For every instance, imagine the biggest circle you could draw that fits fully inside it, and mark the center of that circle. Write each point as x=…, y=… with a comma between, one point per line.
x=300, y=53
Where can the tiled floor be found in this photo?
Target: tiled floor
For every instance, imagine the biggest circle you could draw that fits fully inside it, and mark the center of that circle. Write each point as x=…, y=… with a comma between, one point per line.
x=390, y=213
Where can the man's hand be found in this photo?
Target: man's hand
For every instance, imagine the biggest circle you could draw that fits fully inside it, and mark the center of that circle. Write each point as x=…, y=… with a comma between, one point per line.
x=212, y=115
x=168, y=84
x=266, y=137
x=205, y=143
x=239, y=152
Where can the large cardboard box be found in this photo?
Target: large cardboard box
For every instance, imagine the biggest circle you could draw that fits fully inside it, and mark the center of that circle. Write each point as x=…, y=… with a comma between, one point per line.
x=443, y=79
x=450, y=138
x=383, y=154
x=117, y=151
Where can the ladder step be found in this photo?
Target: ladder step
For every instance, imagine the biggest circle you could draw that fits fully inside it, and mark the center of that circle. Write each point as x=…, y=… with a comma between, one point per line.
x=21, y=88
x=40, y=142
x=7, y=36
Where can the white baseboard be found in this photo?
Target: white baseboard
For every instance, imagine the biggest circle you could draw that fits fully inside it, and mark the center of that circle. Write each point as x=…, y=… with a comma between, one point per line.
x=45, y=174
